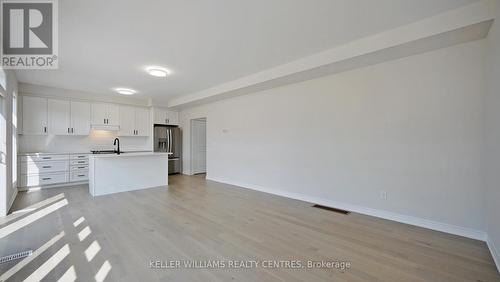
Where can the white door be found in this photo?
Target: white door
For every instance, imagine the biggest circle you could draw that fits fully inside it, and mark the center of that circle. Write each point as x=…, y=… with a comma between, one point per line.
x=99, y=114
x=198, y=146
x=160, y=116
x=127, y=121
x=172, y=118
x=142, y=123
x=113, y=114
x=80, y=118
x=59, y=117
x=34, y=115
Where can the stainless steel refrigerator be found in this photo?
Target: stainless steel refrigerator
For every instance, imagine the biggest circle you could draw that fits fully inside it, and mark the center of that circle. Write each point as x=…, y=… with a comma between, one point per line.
x=168, y=139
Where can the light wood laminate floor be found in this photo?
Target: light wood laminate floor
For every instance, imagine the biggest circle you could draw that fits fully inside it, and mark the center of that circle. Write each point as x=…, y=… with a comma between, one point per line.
x=114, y=238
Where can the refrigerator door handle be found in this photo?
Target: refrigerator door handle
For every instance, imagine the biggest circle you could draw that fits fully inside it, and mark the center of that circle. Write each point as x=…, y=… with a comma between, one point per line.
x=170, y=141
x=167, y=145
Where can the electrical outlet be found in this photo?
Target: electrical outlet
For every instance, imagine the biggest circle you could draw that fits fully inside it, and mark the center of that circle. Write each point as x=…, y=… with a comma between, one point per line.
x=383, y=195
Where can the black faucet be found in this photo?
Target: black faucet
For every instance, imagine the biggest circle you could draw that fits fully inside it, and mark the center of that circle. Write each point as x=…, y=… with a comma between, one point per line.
x=114, y=143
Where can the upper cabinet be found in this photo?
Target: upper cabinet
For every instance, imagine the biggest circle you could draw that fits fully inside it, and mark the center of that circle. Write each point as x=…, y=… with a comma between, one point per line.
x=43, y=116
x=163, y=116
x=142, y=122
x=68, y=117
x=35, y=115
x=80, y=118
x=134, y=121
x=105, y=114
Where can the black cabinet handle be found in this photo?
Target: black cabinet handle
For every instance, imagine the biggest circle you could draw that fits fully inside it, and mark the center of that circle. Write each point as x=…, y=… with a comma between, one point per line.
x=80, y=175
x=81, y=167
x=47, y=166
x=46, y=178
x=46, y=158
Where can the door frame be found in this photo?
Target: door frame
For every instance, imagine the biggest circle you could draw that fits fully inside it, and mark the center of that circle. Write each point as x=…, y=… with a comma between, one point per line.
x=191, y=157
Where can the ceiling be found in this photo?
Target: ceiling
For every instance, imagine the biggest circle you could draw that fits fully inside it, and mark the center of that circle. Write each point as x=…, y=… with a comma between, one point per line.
x=107, y=44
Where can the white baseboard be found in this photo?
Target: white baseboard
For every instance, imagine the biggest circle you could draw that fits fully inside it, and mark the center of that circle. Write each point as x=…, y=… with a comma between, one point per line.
x=407, y=219
x=35, y=188
x=494, y=252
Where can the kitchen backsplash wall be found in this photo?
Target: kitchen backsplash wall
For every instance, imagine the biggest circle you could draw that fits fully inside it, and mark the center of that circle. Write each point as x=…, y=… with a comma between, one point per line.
x=98, y=139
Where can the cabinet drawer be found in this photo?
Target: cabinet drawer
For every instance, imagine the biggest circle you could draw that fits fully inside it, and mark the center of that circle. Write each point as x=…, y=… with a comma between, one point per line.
x=42, y=158
x=79, y=176
x=79, y=162
x=79, y=157
x=43, y=179
x=42, y=167
x=79, y=167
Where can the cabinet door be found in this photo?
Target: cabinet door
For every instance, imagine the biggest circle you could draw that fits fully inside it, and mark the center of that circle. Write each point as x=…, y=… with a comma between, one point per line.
x=59, y=117
x=99, y=114
x=113, y=114
x=80, y=118
x=172, y=118
x=160, y=116
x=127, y=121
x=142, y=123
x=35, y=115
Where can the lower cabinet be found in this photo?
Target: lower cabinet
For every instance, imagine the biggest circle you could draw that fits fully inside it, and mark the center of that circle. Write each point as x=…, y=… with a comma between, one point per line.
x=51, y=169
x=43, y=179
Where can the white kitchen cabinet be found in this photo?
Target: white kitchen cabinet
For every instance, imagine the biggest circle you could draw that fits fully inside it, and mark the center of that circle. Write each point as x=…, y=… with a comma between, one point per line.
x=113, y=114
x=59, y=117
x=172, y=118
x=127, y=121
x=134, y=121
x=142, y=122
x=80, y=118
x=105, y=114
x=159, y=116
x=163, y=116
x=99, y=114
x=68, y=118
x=35, y=119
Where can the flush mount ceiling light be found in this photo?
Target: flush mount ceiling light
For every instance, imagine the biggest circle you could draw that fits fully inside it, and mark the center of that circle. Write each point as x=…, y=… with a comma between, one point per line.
x=125, y=91
x=158, y=71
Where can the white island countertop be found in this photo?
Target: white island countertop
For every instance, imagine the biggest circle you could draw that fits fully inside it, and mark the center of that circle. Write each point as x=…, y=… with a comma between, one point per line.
x=137, y=154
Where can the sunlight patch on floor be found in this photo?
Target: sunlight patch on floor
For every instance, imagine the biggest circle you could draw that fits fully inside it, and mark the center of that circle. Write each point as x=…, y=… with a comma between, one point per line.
x=7, y=230
x=84, y=233
x=92, y=250
x=27, y=260
x=48, y=265
x=68, y=276
x=78, y=221
x=30, y=208
x=103, y=272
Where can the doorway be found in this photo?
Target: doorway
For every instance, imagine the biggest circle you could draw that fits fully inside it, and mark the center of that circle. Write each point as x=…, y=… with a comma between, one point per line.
x=198, y=146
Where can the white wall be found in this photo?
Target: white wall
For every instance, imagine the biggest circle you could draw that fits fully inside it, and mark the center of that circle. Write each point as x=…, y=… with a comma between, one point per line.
x=412, y=127
x=493, y=138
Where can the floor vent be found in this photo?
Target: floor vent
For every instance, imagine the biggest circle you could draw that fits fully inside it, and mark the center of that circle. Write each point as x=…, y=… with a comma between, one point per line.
x=331, y=209
x=16, y=256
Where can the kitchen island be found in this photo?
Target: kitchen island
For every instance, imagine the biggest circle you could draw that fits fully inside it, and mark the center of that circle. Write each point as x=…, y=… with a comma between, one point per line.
x=113, y=173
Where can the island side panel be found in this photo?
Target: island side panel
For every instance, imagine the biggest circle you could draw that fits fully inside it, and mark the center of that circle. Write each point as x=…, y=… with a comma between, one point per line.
x=127, y=173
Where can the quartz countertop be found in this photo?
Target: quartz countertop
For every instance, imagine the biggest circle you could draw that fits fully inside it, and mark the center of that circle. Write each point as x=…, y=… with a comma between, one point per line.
x=125, y=154
x=76, y=153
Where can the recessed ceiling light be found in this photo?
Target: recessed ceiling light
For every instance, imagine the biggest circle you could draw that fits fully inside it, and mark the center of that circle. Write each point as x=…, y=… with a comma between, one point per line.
x=125, y=91
x=158, y=71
